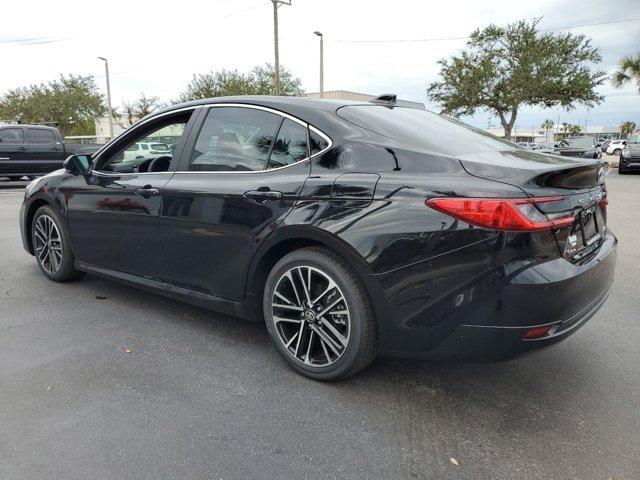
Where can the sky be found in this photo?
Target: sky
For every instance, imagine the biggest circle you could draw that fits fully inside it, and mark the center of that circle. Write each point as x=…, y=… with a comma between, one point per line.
x=156, y=46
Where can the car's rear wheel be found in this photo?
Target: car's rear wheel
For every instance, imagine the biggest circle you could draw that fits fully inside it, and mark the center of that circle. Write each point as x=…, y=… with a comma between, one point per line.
x=318, y=314
x=617, y=151
x=51, y=246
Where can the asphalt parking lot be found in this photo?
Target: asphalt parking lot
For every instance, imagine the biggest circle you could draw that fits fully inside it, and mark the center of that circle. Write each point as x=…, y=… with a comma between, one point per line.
x=98, y=380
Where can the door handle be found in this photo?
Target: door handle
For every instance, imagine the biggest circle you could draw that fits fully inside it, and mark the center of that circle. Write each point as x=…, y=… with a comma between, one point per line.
x=22, y=148
x=263, y=195
x=55, y=148
x=147, y=191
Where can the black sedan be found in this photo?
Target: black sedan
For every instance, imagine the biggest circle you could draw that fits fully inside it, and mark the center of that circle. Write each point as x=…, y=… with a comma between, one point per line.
x=350, y=229
x=582, y=147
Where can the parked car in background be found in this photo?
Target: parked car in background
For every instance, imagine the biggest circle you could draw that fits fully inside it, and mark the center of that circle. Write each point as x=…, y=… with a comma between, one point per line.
x=530, y=145
x=32, y=150
x=630, y=156
x=548, y=147
x=605, y=145
x=583, y=147
x=616, y=147
x=349, y=228
x=144, y=150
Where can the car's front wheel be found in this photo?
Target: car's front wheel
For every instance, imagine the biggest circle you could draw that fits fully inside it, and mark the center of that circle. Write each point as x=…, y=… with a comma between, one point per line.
x=51, y=246
x=617, y=151
x=319, y=315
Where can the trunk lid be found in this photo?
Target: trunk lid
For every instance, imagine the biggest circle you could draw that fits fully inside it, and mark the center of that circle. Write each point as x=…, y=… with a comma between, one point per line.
x=579, y=182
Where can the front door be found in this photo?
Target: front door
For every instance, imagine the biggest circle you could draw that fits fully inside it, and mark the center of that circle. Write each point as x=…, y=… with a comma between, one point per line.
x=113, y=212
x=235, y=184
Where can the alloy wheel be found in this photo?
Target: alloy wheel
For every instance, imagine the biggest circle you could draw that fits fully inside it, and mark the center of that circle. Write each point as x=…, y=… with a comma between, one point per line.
x=47, y=244
x=311, y=316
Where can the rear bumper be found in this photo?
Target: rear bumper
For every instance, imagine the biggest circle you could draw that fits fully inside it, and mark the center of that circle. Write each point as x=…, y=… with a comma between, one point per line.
x=484, y=319
x=495, y=344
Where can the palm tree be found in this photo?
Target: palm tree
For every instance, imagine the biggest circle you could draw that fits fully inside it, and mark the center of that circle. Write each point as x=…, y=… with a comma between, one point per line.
x=626, y=128
x=574, y=129
x=565, y=129
x=628, y=71
x=548, y=126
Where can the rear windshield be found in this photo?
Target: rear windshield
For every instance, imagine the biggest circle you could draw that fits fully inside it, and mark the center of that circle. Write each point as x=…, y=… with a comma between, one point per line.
x=159, y=146
x=424, y=129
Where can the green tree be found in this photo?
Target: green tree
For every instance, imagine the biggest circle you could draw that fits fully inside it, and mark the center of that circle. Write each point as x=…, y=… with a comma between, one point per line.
x=627, y=128
x=143, y=106
x=575, y=129
x=70, y=102
x=628, y=71
x=548, y=126
x=505, y=68
x=259, y=81
x=263, y=79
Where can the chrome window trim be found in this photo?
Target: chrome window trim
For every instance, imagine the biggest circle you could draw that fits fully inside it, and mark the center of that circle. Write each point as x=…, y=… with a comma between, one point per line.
x=121, y=174
x=217, y=105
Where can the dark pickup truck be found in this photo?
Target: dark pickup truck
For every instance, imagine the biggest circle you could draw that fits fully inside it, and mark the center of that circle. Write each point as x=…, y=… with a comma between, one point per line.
x=32, y=150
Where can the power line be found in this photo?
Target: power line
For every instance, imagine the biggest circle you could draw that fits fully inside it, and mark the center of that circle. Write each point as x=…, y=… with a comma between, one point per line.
x=443, y=39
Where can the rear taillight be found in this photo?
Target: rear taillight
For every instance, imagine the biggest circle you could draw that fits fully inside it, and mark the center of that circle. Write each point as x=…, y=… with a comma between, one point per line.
x=514, y=214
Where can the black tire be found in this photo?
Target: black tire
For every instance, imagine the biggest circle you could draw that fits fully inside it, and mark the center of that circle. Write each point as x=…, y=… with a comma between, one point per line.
x=617, y=151
x=360, y=348
x=65, y=270
x=621, y=171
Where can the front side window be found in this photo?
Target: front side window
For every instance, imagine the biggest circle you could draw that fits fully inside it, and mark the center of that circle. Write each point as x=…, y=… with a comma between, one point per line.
x=12, y=135
x=291, y=145
x=136, y=156
x=38, y=135
x=234, y=139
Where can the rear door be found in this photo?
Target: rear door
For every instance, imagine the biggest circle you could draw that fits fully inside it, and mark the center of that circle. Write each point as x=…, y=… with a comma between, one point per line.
x=45, y=150
x=13, y=151
x=239, y=178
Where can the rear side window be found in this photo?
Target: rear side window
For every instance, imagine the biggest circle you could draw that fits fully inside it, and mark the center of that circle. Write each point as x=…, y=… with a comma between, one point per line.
x=38, y=135
x=424, y=129
x=234, y=139
x=316, y=143
x=291, y=145
x=12, y=135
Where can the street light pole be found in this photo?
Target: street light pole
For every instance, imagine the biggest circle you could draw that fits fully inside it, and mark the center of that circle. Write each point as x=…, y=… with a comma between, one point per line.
x=276, y=4
x=109, y=110
x=321, y=63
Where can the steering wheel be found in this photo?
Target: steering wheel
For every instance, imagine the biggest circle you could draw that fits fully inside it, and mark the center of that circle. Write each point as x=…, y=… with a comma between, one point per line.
x=160, y=164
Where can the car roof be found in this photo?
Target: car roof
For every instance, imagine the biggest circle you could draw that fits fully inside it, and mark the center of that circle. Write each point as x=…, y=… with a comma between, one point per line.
x=314, y=111
x=17, y=125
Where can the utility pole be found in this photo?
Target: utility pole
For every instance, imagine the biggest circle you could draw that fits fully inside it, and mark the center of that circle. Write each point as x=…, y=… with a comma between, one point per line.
x=109, y=110
x=276, y=4
x=321, y=63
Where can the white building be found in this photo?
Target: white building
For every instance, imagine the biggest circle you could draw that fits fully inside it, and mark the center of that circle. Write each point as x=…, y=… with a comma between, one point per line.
x=533, y=134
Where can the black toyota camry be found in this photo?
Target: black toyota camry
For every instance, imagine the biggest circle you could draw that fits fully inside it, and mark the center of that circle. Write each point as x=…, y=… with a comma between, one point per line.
x=350, y=229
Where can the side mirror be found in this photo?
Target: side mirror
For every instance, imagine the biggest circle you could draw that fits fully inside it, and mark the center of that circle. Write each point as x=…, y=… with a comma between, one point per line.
x=78, y=164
